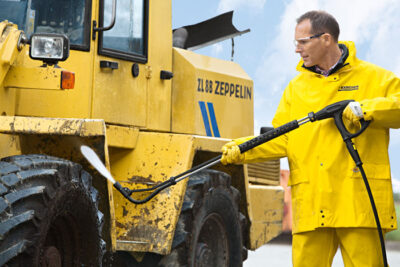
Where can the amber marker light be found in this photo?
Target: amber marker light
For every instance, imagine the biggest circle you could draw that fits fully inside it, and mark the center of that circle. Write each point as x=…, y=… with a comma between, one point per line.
x=67, y=80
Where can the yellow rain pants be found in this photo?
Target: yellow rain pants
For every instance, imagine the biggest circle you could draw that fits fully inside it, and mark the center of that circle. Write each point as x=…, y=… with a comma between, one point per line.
x=359, y=247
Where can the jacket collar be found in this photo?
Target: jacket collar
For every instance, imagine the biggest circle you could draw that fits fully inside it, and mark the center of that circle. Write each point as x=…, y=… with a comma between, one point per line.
x=348, y=58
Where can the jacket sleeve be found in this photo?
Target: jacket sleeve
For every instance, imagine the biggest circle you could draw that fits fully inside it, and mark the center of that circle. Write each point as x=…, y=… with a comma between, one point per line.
x=384, y=111
x=275, y=148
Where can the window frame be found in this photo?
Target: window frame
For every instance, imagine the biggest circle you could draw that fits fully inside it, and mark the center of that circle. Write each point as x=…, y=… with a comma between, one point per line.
x=88, y=29
x=121, y=54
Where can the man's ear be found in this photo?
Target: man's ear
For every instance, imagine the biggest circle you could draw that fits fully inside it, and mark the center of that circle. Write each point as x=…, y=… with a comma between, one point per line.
x=327, y=38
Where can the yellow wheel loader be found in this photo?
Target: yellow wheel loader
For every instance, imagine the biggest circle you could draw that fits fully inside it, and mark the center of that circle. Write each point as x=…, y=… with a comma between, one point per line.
x=114, y=76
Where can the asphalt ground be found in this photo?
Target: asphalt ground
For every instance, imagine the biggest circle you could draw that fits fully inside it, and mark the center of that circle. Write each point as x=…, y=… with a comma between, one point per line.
x=278, y=253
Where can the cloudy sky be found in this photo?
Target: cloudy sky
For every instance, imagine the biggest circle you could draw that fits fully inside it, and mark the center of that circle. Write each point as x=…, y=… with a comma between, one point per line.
x=267, y=52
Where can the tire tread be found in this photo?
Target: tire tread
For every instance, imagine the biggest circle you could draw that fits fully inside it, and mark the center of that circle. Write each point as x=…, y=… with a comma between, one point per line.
x=27, y=184
x=199, y=185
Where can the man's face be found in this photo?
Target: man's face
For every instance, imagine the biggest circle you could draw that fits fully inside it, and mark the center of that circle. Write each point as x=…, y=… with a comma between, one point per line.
x=311, y=50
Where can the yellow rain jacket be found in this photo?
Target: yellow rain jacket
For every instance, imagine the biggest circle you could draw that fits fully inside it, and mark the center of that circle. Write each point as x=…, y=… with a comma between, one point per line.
x=327, y=188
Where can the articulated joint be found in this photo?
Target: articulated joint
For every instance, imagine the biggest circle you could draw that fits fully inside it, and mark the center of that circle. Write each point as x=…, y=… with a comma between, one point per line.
x=311, y=116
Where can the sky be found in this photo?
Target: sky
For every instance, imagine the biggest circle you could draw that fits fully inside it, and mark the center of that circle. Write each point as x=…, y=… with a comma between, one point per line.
x=268, y=55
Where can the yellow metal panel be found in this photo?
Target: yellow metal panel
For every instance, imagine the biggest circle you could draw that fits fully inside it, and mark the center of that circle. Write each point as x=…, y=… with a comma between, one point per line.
x=183, y=100
x=119, y=97
x=266, y=213
x=262, y=232
x=216, y=84
x=122, y=136
x=8, y=53
x=9, y=145
x=35, y=78
x=33, y=125
x=9, y=36
x=32, y=100
x=156, y=157
x=160, y=58
x=7, y=101
x=209, y=143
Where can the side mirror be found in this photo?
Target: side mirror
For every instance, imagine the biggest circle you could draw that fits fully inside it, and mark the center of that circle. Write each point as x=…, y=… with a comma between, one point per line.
x=109, y=27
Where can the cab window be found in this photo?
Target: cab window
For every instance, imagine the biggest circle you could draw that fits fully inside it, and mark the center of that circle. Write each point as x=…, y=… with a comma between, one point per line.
x=128, y=38
x=69, y=17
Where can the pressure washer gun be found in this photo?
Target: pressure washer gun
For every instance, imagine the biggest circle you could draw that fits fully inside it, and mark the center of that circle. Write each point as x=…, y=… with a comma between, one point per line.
x=334, y=111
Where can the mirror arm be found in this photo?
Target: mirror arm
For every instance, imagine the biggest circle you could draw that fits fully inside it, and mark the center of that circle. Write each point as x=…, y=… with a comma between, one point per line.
x=109, y=27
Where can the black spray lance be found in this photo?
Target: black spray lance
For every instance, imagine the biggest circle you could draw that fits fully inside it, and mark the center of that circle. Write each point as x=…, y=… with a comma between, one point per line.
x=334, y=111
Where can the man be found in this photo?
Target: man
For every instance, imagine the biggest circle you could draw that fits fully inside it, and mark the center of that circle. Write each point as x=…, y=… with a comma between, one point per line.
x=330, y=204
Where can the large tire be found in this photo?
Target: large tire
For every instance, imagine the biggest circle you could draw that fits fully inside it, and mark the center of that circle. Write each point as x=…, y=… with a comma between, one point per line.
x=48, y=213
x=125, y=259
x=210, y=228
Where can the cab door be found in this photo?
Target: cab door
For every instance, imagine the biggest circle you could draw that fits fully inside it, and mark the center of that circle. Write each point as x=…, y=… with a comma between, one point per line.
x=129, y=87
x=120, y=83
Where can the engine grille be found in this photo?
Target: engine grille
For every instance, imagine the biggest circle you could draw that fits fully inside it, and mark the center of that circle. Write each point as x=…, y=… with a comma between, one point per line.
x=266, y=173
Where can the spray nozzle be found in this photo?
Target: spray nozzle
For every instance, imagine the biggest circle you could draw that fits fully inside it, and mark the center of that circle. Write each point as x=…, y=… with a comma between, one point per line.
x=95, y=161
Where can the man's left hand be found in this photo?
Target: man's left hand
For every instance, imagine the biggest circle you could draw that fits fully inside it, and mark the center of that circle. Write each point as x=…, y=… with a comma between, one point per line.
x=353, y=113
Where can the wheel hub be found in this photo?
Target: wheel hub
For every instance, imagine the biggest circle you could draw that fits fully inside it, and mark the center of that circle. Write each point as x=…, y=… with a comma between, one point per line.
x=203, y=255
x=212, y=243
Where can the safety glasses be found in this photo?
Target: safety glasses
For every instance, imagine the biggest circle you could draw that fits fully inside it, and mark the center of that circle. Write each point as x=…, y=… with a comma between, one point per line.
x=303, y=41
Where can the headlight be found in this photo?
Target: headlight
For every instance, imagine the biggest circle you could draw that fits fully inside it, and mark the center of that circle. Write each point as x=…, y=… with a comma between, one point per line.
x=49, y=47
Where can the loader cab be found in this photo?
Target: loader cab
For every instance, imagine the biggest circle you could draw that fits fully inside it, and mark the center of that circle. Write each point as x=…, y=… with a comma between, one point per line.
x=118, y=71
x=126, y=39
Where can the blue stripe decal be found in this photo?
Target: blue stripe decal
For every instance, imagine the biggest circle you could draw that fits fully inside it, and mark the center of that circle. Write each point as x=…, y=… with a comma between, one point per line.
x=213, y=119
x=205, y=118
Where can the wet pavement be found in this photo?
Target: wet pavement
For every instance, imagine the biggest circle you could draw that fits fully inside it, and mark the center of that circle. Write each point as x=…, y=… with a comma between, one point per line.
x=278, y=253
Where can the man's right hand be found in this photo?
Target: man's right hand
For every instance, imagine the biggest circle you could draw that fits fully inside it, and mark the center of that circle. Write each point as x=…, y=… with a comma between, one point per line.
x=231, y=154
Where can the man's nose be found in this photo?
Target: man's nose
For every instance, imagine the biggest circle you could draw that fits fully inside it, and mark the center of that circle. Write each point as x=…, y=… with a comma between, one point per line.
x=298, y=49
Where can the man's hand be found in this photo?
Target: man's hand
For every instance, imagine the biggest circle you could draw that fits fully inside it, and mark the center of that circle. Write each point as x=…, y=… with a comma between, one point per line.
x=353, y=113
x=231, y=154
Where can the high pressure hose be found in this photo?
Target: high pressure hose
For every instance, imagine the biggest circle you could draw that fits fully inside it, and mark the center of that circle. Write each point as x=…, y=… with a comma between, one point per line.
x=378, y=224
x=347, y=138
